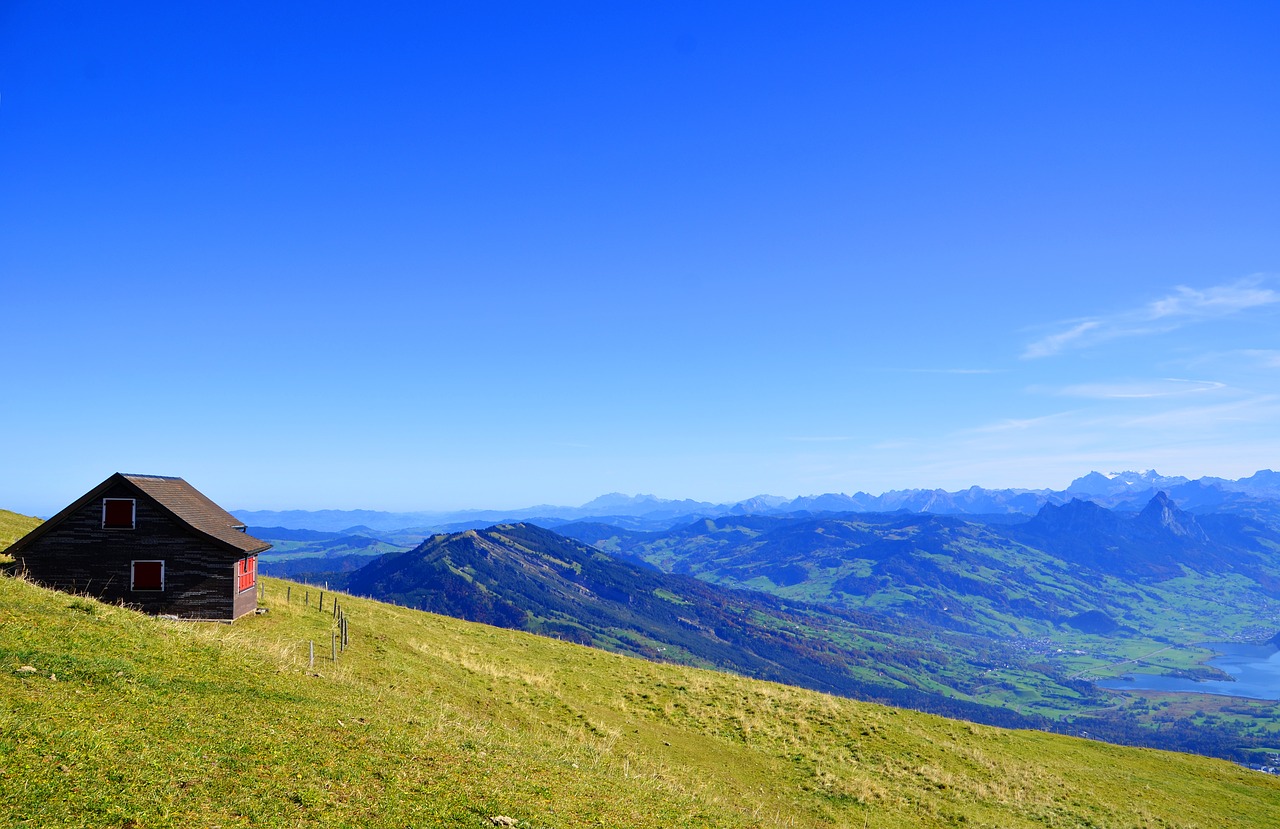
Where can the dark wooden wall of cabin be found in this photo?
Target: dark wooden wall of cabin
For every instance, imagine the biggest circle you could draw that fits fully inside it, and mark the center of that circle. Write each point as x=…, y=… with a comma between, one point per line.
x=80, y=556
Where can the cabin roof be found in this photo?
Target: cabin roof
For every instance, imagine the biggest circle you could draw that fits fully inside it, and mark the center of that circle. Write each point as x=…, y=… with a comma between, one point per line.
x=184, y=502
x=193, y=507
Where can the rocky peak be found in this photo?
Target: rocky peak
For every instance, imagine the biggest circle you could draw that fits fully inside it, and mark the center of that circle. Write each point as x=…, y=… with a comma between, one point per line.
x=1164, y=514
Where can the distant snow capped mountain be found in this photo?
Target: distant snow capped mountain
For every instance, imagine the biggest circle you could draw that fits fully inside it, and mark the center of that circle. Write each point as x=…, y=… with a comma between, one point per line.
x=1123, y=483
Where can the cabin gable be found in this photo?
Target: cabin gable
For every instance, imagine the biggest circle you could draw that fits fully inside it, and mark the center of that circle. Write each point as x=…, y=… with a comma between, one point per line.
x=121, y=544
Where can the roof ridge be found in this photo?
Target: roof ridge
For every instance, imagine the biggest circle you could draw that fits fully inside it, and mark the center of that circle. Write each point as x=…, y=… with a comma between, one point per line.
x=197, y=510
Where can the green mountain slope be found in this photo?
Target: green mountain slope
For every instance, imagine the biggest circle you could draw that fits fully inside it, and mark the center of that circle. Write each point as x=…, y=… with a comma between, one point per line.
x=528, y=578
x=111, y=718
x=1023, y=615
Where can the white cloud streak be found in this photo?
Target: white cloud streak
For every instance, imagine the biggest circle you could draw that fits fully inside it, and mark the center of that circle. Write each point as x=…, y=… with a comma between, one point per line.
x=1188, y=303
x=1264, y=357
x=1018, y=424
x=1169, y=387
x=1182, y=307
x=954, y=370
x=1054, y=343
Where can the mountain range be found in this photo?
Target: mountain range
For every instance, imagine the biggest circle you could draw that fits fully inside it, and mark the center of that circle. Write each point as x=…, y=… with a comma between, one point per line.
x=987, y=618
x=1122, y=490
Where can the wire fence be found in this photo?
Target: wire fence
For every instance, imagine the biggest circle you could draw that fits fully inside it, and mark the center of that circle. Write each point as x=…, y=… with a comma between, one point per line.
x=339, y=637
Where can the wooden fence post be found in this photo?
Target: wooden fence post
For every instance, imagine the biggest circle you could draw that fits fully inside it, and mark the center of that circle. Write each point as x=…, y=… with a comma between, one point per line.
x=288, y=593
x=333, y=647
x=313, y=653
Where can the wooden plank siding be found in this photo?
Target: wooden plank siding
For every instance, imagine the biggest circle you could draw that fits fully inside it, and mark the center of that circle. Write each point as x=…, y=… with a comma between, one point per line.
x=80, y=556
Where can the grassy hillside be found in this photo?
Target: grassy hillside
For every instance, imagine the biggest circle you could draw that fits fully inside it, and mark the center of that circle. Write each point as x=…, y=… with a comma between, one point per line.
x=110, y=718
x=14, y=526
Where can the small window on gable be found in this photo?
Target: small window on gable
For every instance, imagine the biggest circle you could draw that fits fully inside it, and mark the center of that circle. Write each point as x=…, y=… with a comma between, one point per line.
x=118, y=513
x=147, y=575
x=247, y=572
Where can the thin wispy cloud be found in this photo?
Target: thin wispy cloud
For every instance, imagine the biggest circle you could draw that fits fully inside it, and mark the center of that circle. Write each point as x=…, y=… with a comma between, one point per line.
x=1258, y=409
x=1266, y=358
x=1017, y=424
x=1054, y=343
x=1253, y=359
x=892, y=445
x=1182, y=307
x=1188, y=303
x=1200, y=433
x=954, y=370
x=1139, y=390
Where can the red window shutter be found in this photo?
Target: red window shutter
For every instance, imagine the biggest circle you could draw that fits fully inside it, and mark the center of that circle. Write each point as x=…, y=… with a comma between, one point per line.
x=148, y=575
x=246, y=569
x=117, y=513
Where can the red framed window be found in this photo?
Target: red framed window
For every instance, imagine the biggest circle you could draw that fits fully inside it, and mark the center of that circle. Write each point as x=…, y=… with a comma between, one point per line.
x=146, y=575
x=247, y=572
x=118, y=513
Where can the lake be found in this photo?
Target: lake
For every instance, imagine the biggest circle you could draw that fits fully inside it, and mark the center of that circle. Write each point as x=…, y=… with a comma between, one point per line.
x=1256, y=669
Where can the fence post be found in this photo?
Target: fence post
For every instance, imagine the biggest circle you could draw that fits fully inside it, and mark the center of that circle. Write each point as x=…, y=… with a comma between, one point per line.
x=333, y=647
x=313, y=653
x=322, y=601
x=288, y=593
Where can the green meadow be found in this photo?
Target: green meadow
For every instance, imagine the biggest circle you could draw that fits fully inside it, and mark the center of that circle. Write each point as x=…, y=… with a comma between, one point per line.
x=109, y=718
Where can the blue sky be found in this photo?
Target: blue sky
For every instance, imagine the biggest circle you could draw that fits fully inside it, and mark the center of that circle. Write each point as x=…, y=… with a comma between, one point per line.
x=436, y=256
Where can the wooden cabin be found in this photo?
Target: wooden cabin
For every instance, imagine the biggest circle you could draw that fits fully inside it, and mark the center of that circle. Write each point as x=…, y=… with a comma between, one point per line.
x=151, y=542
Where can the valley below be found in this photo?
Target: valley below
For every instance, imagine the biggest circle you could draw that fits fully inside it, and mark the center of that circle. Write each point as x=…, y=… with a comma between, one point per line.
x=1017, y=620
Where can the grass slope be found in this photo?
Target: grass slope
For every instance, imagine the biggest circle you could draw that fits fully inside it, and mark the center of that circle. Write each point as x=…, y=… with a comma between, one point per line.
x=131, y=721
x=14, y=526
